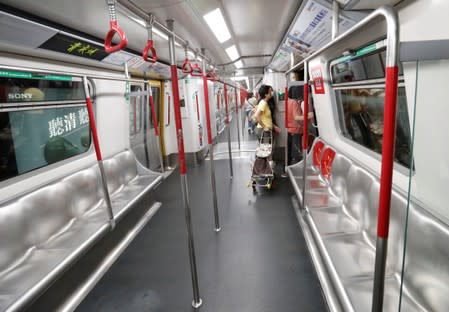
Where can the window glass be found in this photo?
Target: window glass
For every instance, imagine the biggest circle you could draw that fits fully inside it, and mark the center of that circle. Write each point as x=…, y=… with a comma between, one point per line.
x=361, y=113
x=34, y=138
x=21, y=87
x=135, y=111
x=359, y=68
x=30, y=139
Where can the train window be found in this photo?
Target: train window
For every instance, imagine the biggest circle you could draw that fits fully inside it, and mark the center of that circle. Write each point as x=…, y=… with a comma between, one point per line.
x=358, y=80
x=54, y=129
x=28, y=88
x=367, y=63
x=135, y=110
x=361, y=119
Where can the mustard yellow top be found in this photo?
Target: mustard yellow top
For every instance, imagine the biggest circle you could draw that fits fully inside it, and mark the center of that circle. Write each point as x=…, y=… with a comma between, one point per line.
x=265, y=116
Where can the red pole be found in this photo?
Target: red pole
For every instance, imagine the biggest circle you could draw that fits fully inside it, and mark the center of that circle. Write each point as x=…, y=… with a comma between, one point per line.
x=182, y=166
x=93, y=129
x=386, y=175
x=197, y=107
x=206, y=101
x=286, y=107
x=153, y=114
x=178, y=123
x=226, y=103
x=237, y=115
x=305, y=139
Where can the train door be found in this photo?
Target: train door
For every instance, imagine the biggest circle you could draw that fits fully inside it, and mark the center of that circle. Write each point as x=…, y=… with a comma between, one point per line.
x=143, y=140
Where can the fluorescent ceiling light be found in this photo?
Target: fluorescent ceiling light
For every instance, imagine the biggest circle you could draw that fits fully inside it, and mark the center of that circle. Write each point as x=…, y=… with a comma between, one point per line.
x=232, y=52
x=217, y=24
x=191, y=53
x=238, y=64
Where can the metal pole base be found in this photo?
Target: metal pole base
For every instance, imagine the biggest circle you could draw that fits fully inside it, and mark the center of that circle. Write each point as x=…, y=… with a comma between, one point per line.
x=217, y=230
x=112, y=223
x=198, y=304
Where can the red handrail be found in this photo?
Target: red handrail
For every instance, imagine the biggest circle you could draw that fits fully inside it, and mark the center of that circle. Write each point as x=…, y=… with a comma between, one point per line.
x=386, y=175
x=206, y=102
x=150, y=48
x=153, y=114
x=226, y=104
x=305, y=137
x=286, y=107
x=197, y=107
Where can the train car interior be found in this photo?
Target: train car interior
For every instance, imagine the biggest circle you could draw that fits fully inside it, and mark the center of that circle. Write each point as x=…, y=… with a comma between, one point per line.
x=193, y=155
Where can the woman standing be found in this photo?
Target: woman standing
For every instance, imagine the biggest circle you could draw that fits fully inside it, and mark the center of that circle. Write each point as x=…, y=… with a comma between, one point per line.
x=295, y=123
x=263, y=112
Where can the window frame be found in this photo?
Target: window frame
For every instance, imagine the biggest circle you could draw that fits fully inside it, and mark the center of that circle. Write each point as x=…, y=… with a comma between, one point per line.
x=141, y=93
x=378, y=83
x=52, y=104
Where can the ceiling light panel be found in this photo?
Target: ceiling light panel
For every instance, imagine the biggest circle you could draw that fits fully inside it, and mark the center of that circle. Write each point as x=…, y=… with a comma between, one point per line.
x=238, y=64
x=217, y=24
x=232, y=52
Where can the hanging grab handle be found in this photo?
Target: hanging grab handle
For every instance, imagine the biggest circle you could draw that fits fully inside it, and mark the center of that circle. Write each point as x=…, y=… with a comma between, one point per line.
x=149, y=47
x=114, y=29
x=211, y=76
x=186, y=66
x=197, y=71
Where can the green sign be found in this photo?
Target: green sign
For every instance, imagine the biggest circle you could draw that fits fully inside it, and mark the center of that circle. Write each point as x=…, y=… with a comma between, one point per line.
x=362, y=51
x=17, y=74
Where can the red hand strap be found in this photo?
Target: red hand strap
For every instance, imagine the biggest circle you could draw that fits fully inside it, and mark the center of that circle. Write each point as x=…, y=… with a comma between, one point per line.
x=108, y=47
x=149, y=48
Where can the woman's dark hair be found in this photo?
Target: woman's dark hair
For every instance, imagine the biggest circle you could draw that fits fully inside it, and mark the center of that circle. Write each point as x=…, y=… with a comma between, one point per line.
x=296, y=92
x=264, y=90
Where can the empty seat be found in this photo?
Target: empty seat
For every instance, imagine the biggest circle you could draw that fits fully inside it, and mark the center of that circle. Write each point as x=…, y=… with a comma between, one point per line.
x=44, y=231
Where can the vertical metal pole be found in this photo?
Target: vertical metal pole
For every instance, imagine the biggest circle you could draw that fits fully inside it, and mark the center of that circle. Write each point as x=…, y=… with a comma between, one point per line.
x=237, y=115
x=146, y=123
x=242, y=114
x=228, y=130
x=211, y=146
x=286, y=123
x=182, y=167
x=305, y=136
x=156, y=127
x=335, y=15
x=292, y=63
x=386, y=175
x=93, y=129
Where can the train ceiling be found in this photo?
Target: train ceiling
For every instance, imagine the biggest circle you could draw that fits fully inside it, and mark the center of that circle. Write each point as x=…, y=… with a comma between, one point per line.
x=262, y=31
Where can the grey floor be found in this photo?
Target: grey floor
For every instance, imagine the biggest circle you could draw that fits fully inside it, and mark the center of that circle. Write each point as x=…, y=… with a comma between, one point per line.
x=258, y=262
